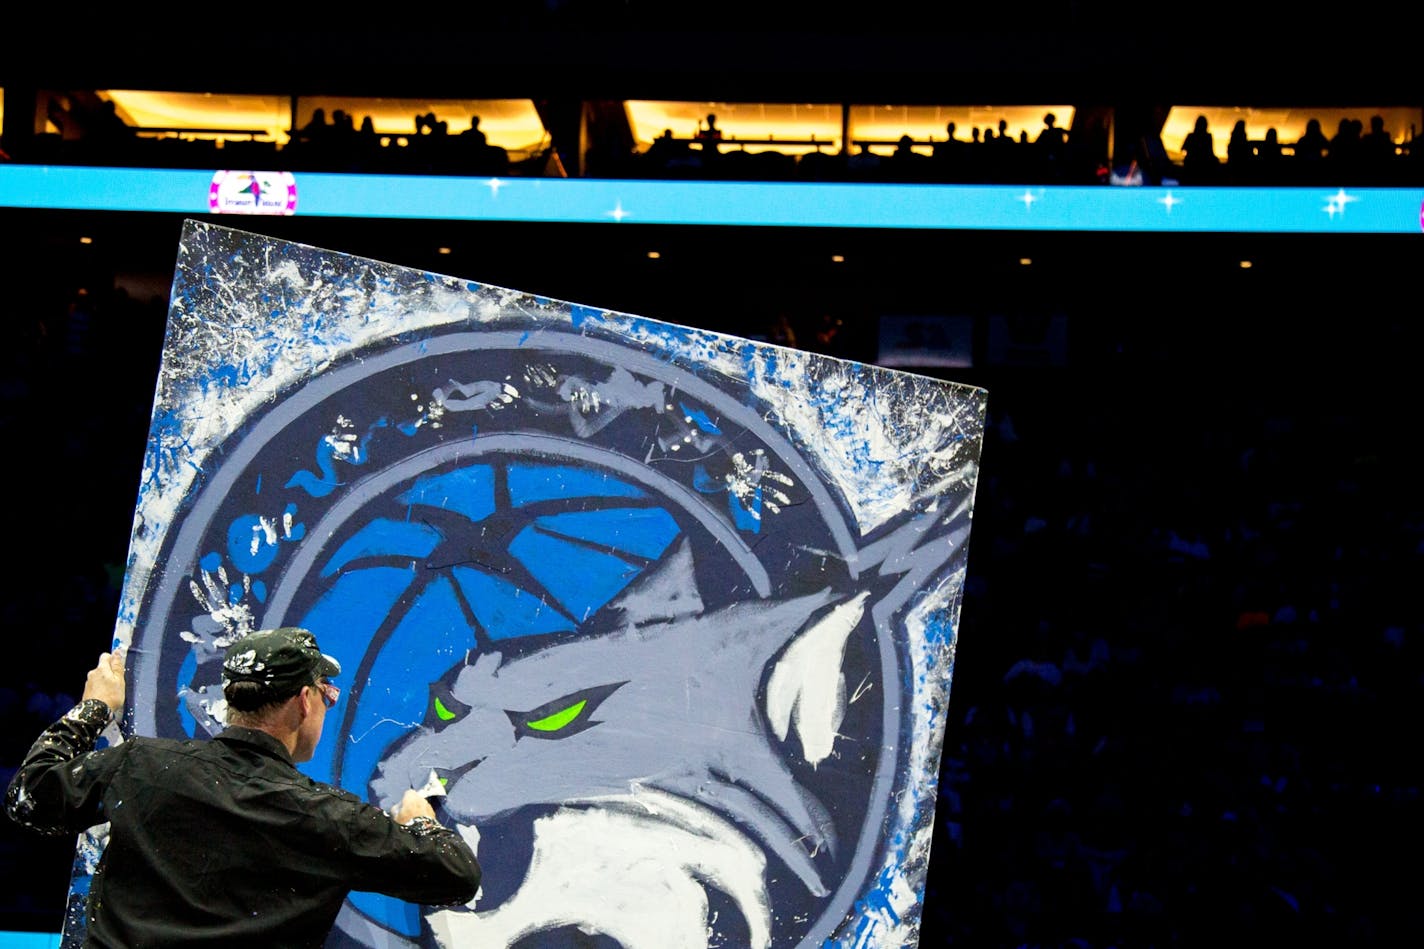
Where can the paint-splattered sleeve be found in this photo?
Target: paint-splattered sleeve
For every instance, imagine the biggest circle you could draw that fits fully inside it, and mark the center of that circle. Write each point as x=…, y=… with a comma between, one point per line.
x=59, y=787
x=421, y=862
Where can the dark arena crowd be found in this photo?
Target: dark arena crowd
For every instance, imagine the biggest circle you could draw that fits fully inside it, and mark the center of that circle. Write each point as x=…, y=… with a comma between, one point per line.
x=1189, y=645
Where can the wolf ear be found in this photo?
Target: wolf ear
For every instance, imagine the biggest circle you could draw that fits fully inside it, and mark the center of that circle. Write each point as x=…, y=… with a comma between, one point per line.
x=485, y=662
x=808, y=680
x=667, y=592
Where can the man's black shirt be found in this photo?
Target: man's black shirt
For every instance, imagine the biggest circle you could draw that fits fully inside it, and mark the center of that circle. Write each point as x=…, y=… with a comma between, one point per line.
x=223, y=842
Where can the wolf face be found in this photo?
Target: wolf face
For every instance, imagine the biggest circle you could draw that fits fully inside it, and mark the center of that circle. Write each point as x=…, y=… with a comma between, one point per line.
x=669, y=706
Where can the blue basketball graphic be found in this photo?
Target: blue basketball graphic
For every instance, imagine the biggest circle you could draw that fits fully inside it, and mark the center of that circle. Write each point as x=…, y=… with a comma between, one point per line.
x=483, y=553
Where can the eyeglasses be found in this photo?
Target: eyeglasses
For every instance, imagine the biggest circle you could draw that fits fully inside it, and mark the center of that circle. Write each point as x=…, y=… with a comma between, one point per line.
x=329, y=693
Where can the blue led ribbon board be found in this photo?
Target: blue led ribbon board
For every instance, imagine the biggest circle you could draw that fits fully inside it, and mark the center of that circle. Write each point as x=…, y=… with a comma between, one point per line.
x=1333, y=210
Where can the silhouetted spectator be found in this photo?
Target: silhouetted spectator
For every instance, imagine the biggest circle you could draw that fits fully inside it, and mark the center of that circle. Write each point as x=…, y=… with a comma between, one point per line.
x=1239, y=152
x=1052, y=139
x=476, y=154
x=1051, y=146
x=1199, y=161
x=710, y=132
x=1312, y=144
x=1238, y=147
x=310, y=145
x=1003, y=137
x=1269, y=150
x=473, y=136
x=315, y=127
x=1344, y=151
x=364, y=150
x=947, y=155
x=1269, y=158
x=709, y=139
x=905, y=163
x=1377, y=146
x=343, y=126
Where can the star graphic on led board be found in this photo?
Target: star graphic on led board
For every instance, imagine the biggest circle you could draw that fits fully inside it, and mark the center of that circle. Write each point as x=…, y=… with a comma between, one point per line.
x=1169, y=202
x=618, y=214
x=494, y=184
x=1028, y=198
x=1335, y=203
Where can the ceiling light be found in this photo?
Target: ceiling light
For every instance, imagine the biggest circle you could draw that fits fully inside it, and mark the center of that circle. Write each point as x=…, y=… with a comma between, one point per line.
x=1025, y=261
x=442, y=250
x=1245, y=265
x=653, y=255
x=838, y=258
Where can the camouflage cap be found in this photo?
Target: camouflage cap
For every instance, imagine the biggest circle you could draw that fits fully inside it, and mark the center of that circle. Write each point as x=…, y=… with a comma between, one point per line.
x=282, y=659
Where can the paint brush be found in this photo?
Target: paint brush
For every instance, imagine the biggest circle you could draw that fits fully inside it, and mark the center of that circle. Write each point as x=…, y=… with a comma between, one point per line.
x=434, y=787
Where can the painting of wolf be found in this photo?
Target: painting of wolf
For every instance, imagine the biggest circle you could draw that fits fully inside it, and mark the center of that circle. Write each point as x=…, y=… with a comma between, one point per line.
x=662, y=620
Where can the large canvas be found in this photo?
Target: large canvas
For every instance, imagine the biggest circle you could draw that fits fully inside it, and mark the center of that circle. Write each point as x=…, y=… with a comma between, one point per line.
x=664, y=620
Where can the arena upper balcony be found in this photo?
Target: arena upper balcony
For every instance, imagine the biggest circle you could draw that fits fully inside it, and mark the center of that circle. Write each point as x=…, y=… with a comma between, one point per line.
x=620, y=90
x=1052, y=142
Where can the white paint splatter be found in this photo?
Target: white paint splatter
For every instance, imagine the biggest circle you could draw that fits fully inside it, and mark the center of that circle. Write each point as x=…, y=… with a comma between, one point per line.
x=215, y=599
x=747, y=477
x=888, y=439
x=264, y=531
x=343, y=445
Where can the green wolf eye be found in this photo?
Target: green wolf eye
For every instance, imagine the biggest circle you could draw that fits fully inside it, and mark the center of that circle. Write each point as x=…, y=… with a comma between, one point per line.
x=552, y=723
x=564, y=716
x=444, y=707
